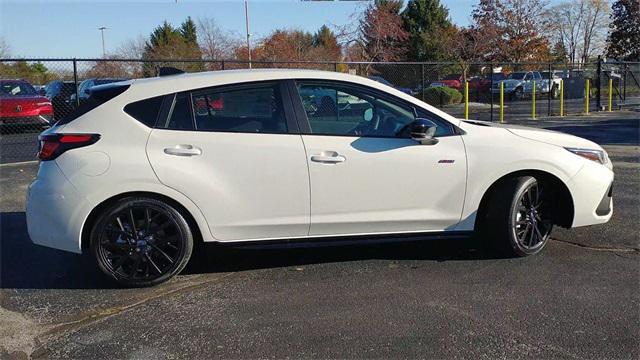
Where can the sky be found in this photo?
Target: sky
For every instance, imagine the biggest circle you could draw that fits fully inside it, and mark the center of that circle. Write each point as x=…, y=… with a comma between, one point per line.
x=64, y=29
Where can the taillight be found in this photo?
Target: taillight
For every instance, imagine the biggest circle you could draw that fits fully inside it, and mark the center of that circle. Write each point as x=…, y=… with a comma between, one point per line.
x=53, y=145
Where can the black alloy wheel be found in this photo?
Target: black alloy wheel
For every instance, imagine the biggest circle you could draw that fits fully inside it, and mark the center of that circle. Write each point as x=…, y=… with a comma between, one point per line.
x=530, y=223
x=141, y=241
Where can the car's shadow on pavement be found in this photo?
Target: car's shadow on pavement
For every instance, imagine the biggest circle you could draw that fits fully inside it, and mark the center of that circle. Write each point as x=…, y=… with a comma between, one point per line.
x=27, y=266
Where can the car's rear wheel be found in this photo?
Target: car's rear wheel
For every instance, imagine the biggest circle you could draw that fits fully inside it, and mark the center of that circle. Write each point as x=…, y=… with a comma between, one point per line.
x=518, y=218
x=141, y=241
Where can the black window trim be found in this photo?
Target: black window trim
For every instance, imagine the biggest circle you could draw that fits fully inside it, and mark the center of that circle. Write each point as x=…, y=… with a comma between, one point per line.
x=285, y=100
x=303, y=120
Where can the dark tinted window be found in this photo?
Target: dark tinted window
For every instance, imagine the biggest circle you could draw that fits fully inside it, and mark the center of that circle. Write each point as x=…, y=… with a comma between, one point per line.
x=16, y=88
x=97, y=98
x=252, y=109
x=146, y=111
x=180, y=118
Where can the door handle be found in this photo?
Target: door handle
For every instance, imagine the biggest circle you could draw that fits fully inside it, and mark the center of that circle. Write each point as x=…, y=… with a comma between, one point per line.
x=183, y=150
x=328, y=157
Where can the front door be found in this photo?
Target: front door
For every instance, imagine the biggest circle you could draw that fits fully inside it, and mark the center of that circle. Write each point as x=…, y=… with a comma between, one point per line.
x=232, y=151
x=367, y=176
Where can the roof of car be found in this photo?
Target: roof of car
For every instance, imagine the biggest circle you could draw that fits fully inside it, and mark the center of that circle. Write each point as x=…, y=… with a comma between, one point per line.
x=189, y=81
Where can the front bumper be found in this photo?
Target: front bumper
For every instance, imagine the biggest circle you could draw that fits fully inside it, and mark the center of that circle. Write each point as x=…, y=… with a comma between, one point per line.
x=55, y=210
x=592, y=193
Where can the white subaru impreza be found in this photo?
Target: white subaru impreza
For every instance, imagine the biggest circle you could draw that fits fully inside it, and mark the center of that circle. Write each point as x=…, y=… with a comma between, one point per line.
x=145, y=168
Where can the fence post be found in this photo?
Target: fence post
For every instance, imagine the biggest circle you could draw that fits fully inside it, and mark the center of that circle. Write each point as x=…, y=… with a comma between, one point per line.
x=335, y=66
x=550, y=89
x=561, y=97
x=533, y=100
x=599, y=83
x=466, y=100
x=222, y=64
x=624, y=90
x=610, y=94
x=491, y=94
x=75, y=81
x=586, y=97
x=423, y=84
x=501, y=102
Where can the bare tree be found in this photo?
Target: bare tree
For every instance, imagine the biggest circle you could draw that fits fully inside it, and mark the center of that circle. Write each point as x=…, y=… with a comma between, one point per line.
x=580, y=26
x=596, y=28
x=215, y=43
x=5, y=51
x=132, y=49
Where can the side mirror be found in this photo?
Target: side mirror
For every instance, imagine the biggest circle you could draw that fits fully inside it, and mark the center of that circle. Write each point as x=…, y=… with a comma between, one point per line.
x=423, y=131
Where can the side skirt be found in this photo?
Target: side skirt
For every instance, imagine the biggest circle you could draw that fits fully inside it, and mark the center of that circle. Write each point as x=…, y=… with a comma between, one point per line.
x=348, y=240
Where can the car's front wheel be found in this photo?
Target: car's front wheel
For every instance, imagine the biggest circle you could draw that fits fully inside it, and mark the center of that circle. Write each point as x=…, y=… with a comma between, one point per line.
x=518, y=219
x=141, y=241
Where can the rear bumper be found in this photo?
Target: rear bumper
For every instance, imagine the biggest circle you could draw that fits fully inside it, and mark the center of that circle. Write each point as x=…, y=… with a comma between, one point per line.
x=591, y=189
x=55, y=210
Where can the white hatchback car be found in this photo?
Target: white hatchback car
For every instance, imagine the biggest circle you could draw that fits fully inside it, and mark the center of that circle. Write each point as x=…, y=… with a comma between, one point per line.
x=145, y=168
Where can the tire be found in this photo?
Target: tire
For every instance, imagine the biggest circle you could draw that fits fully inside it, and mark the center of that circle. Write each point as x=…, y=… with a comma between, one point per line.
x=155, y=248
x=518, y=219
x=518, y=94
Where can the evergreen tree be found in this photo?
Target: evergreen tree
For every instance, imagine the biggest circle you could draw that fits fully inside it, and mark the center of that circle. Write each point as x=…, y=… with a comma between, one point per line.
x=427, y=22
x=188, y=32
x=624, y=38
x=326, y=43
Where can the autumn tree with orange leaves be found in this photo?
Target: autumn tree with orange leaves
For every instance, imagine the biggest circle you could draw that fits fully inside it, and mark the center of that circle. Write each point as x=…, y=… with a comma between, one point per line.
x=513, y=29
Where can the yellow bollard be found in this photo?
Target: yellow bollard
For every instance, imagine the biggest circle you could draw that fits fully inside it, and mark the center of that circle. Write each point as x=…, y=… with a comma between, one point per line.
x=562, y=97
x=586, y=97
x=466, y=100
x=610, y=95
x=501, y=101
x=533, y=101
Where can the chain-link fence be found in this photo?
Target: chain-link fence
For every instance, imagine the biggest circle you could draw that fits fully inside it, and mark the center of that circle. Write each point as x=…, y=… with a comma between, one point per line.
x=37, y=92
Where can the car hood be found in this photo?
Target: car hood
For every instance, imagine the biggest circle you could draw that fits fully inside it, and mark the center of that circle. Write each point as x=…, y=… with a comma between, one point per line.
x=543, y=135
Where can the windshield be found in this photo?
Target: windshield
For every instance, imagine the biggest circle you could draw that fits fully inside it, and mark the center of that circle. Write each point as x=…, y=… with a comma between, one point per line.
x=16, y=88
x=517, y=75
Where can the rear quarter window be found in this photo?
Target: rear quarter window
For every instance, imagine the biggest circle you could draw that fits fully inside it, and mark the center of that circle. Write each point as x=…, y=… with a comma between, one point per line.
x=146, y=111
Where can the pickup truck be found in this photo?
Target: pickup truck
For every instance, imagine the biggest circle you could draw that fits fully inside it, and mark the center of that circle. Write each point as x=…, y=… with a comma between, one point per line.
x=519, y=84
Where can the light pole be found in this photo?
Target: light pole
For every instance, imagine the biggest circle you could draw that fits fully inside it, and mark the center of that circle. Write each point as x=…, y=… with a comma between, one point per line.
x=246, y=20
x=102, y=29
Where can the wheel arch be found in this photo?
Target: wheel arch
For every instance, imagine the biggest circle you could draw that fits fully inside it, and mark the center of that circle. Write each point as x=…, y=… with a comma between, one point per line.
x=93, y=215
x=563, y=201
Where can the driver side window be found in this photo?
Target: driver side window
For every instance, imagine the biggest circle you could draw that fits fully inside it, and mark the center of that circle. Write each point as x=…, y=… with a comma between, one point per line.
x=343, y=110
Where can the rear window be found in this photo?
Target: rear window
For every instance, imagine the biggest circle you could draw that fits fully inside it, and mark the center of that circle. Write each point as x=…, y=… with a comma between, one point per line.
x=99, y=96
x=146, y=111
x=16, y=88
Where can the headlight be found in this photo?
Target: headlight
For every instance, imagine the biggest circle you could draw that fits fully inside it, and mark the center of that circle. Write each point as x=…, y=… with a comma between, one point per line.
x=598, y=156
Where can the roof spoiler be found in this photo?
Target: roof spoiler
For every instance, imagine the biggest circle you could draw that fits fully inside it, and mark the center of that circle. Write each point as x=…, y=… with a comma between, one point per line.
x=167, y=70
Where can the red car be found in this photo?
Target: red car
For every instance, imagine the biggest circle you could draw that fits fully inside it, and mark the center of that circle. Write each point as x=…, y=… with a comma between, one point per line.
x=20, y=104
x=454, y=81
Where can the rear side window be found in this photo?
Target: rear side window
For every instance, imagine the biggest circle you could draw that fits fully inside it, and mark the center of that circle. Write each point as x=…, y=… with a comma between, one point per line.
x=180, y=118
x=251, y=109
x=98, y=97
x=146, y=111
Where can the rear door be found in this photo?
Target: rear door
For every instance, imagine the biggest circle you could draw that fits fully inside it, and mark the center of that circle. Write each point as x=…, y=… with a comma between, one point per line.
x=236, y=152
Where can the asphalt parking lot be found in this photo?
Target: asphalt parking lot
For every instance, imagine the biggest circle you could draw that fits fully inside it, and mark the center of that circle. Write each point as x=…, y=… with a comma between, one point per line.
x=579, y=298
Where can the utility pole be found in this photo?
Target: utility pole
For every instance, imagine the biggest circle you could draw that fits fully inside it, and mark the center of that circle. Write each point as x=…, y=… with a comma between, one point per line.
x=102, y=29
x=246, y=20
